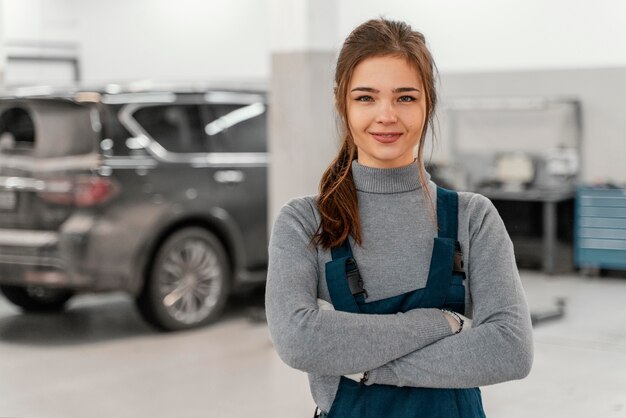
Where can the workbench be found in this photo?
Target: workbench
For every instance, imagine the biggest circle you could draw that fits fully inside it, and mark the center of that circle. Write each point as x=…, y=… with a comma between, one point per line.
x=549, y=200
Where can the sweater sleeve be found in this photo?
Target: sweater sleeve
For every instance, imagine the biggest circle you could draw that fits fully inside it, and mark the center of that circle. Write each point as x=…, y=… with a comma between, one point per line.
x=327, y=342
x=499, y=346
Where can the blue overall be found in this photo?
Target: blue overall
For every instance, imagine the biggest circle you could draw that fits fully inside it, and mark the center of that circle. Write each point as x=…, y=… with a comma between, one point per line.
x=444, y=289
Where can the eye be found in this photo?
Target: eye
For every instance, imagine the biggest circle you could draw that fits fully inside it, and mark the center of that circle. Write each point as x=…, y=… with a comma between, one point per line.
x=406, y=99
x=364, y=99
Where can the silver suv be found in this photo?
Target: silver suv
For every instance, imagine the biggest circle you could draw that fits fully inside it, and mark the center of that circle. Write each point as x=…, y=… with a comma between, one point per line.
x=159, y=193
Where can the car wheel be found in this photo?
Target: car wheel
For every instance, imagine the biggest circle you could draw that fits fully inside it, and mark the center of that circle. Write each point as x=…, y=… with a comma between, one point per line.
x=188, y=281
x=37, y=298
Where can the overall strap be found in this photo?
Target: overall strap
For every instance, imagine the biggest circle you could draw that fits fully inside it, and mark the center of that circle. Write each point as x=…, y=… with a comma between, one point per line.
x=447, y=213
x=344, y=250
x=448, y=223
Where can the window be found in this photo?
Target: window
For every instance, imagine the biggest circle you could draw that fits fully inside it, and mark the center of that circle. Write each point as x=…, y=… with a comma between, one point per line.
x=236, y=128
x=17, y=131
x=176, y=127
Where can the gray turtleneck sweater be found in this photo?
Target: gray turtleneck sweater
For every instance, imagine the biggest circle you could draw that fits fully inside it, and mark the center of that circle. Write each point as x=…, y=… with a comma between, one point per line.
x=415, y=348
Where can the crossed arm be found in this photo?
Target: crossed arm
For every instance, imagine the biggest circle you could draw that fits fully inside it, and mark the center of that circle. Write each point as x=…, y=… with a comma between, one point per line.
x=416, y=348
x=328, y=342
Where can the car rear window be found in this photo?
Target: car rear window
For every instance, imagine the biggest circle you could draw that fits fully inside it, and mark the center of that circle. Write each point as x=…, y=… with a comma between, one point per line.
x=17, y=130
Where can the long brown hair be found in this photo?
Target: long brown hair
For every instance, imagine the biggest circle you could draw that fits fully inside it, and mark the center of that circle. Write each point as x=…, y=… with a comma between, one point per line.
x=337, y=200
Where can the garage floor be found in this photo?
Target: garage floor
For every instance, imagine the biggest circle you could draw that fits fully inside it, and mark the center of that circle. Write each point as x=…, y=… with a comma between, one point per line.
x=98, y=359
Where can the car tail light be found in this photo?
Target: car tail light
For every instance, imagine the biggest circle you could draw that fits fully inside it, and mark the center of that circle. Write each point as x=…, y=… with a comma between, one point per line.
x=82, y=191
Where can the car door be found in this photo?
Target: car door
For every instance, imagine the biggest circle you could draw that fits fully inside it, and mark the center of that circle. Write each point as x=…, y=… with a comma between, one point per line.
x=235, y=129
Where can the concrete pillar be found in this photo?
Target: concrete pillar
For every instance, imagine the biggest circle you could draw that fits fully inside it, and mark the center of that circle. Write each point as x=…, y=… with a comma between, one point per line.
x=3, y=54
x=302, y=128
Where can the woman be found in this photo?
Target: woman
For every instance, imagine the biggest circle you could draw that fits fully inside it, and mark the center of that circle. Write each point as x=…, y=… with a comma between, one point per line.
x=371, y=283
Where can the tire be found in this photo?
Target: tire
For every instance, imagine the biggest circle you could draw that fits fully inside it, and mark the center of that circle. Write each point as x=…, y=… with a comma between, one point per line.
x=187, y=283
x=37, y=298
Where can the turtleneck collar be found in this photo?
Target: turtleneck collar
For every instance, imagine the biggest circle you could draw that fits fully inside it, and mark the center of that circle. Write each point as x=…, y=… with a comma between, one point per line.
x=387, y=180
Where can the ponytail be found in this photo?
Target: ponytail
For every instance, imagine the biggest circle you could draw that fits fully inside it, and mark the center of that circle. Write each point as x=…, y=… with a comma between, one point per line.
x=337, y=201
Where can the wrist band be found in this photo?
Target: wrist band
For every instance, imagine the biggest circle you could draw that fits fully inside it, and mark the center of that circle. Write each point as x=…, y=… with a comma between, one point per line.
x=366, y=376
x=457, y=317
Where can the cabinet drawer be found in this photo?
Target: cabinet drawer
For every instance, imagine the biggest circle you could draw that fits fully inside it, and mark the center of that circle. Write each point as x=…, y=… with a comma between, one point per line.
x=598, y=222
x=617, y=201
x=601, y=193
x=600, y=228
x=603, y=212
x=603, y=233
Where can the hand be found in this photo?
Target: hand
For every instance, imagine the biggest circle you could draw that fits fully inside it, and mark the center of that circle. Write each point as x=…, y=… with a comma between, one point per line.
x=359, y=377
x=325, y=306
x=356, y=377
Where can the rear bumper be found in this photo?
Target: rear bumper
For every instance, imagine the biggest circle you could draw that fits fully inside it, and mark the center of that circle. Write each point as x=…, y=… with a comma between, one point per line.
x=30, y=257
x=29, y=248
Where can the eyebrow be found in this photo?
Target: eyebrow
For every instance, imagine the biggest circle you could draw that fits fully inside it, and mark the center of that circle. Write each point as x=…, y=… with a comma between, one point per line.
x=396, y=90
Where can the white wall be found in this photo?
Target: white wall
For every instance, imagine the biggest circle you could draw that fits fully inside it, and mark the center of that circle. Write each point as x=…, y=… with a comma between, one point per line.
x=231, y=39
x=181, y=40
x=40, y=21
x=163, y=40
x=303, y=25
x=497, y=35
x=42, y=42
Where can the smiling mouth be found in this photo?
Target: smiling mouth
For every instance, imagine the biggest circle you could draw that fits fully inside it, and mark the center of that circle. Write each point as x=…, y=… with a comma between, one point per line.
x=386, y=137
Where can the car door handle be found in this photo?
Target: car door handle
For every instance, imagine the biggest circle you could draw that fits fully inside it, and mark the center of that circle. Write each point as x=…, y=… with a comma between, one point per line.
x=229, y=176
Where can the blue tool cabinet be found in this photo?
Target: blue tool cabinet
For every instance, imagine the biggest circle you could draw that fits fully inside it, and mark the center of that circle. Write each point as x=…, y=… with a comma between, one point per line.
x=600, y=228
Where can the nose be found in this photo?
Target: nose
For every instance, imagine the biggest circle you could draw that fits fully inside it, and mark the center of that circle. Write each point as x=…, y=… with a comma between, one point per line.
x=386, y=114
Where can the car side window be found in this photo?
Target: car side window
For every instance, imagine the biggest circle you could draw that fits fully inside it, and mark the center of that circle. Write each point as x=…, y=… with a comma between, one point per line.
x=236, y=127
x=177, y=128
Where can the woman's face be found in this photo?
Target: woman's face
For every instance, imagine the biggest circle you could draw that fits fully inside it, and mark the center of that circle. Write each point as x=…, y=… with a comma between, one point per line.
x=386, y=110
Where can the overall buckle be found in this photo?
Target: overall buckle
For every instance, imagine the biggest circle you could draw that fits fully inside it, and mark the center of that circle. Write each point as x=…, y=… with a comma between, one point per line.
x=355, y=282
